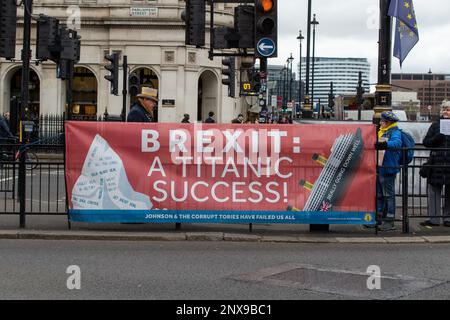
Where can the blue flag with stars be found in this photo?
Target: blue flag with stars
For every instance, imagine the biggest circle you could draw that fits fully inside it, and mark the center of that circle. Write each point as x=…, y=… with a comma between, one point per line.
x=406, y=31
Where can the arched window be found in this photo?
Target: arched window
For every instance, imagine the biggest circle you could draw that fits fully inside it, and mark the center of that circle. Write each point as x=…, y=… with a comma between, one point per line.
x=84, y=94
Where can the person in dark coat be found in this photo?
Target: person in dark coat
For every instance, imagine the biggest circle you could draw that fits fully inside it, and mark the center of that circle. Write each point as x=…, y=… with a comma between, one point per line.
x=438, y=177
x=7, y=116
x=210, y=119
x=5, y=133
x=143, y=110
x=239, y=119
x=186, y=118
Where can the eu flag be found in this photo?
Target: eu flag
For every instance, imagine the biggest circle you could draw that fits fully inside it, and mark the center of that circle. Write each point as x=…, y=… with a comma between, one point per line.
x=406, y=32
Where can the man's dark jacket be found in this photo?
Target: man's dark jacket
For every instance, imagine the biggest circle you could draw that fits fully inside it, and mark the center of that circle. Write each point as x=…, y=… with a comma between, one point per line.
x=139, y=114
x=5, y=133
x=434, y=139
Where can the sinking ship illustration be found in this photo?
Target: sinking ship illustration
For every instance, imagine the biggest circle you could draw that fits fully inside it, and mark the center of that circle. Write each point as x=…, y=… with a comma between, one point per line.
x=336, y=175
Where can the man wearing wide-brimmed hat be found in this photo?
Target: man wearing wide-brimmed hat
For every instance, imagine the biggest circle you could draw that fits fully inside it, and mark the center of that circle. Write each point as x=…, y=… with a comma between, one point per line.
x=142, y=111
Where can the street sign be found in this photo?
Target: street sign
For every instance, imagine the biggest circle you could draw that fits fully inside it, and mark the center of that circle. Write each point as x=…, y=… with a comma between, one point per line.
x=429, y=108
x=266, y=47
x=274, y=101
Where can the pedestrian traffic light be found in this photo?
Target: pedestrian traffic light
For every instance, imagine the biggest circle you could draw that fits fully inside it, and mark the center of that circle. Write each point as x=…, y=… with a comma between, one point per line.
x=113, y=67
x=8, y=18
x=266, y=33
x=47, y=41
x=134, y=83
x=230, y=71
x=195, y=18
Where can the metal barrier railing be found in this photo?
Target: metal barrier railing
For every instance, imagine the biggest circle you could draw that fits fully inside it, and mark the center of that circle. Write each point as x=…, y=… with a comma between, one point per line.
x=29, y=185
x=412, y=190
x=40, y=190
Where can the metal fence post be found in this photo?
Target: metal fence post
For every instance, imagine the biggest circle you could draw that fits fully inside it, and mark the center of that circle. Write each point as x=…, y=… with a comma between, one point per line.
x=405, y=219
x=22, y=188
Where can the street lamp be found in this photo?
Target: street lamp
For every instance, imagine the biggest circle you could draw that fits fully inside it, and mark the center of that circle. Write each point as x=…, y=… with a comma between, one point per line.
x=284, y=70
x=289, y=61
x=307, y=112
x=300, y=39
x=430, y=76
x=314, y=23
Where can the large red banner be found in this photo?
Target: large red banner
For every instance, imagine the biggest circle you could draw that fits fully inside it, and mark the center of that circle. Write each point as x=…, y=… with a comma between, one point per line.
x=130, y=169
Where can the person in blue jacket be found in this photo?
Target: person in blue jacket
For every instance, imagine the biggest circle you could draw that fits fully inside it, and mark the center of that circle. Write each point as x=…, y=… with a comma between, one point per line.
x=389, y=137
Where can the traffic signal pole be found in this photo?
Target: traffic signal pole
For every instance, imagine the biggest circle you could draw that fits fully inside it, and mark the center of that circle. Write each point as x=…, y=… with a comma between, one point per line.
x=69, y=85
x=124, y=91
x=26, y=56
x=263, y=92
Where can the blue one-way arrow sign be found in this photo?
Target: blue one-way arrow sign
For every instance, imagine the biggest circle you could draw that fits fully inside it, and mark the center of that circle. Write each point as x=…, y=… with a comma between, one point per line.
x=266, y=47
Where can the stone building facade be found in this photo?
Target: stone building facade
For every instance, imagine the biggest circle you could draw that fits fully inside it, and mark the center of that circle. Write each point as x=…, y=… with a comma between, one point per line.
x=151, y=34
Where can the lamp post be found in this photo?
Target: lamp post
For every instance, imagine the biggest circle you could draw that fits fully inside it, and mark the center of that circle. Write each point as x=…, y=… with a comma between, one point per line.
x=314, y=23
x=383, y=94
x=300, y=39
x=290, y=59
x=307, y=113
x=284, y=70
x=430, y=76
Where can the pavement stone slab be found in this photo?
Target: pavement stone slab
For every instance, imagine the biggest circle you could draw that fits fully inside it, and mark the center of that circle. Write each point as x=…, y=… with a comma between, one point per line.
x=404, y=240
x=204, y=236
x=241, y=237
x=8, y=234
x=437, y=239
x=361, y=240
x=317, y=240
x=280, y=239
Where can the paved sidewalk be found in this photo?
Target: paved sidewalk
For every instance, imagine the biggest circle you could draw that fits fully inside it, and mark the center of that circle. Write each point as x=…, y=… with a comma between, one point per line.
x=56, y=228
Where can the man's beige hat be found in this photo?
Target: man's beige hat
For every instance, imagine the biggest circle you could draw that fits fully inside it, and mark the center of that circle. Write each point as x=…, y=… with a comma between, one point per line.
x=147, y=92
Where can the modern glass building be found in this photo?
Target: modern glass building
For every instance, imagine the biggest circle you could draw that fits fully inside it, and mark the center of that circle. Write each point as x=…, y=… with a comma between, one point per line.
x=343, y=72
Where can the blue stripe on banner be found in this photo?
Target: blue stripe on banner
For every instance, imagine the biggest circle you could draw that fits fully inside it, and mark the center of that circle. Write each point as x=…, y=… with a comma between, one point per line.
x=232, y=217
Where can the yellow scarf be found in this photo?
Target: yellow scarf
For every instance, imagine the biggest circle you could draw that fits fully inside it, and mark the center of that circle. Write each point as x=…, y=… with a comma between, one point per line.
x=382, y=131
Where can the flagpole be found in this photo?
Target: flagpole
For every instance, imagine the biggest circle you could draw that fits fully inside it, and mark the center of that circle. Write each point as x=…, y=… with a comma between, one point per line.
x=383, y=94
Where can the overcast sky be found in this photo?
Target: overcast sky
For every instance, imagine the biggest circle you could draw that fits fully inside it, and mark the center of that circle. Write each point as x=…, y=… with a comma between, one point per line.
x=350, y=29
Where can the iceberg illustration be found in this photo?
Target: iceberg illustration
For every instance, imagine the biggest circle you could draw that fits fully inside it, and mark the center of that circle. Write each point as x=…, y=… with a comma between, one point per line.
x=103, y=183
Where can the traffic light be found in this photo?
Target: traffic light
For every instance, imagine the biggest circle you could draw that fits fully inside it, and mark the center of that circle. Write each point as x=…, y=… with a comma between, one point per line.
x=8, y=17
x=195, y=18
x=244, y=25
x=47, y=42
x=67, y=52
x=64, y=69
x=331, y=97
x=113, y=67
x=70, y=45
x=220, y=34
x=230, y=71
x=134, y=84
x=266, y=33
x=256, y=81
